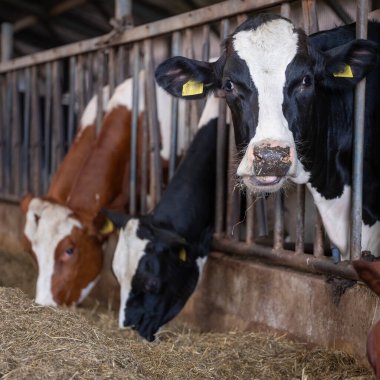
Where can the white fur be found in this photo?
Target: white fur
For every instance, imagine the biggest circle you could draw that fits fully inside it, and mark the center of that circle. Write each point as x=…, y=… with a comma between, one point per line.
x=267, y=51
x=128, y=253
x=54, y=223
x=210, y=111
x=86, y=291
x=89, y=113
x=123, y=97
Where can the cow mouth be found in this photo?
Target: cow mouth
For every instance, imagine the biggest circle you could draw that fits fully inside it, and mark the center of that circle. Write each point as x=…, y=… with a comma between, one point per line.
x=267, y=184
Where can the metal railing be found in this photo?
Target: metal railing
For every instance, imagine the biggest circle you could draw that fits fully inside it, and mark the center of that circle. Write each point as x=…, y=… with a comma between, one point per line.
x=43, y=95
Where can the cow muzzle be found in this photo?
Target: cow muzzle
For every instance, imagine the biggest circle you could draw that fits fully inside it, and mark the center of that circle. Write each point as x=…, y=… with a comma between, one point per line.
x=266, y=166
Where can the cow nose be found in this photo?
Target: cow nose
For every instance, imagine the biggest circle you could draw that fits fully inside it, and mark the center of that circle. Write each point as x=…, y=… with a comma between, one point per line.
x=271, y=160
x=152, y=285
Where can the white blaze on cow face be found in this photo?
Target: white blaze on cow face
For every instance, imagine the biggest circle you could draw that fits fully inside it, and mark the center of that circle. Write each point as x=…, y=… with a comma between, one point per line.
x=46, y=225
x=129, y=250
x=267, y=52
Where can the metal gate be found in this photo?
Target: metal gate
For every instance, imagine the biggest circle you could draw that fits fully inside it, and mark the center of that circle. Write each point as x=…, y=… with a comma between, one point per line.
x=43, y=95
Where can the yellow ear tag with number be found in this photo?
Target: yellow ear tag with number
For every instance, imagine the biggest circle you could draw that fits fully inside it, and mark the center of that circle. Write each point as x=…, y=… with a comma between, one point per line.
x=345, y=73
x=107, y=228
x=182, y=254
x=192, y=88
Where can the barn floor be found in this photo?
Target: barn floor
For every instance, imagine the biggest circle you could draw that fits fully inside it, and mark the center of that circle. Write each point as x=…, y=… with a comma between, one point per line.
x=39, y=342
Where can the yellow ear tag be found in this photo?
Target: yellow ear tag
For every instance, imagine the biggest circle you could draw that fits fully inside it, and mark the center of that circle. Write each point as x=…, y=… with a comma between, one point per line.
x=182, y=254
x=345, y=73
x=107, y=228
x=192, y=88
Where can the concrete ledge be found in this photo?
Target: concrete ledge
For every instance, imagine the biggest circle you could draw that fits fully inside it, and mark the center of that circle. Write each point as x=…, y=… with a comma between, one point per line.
x=240, y=294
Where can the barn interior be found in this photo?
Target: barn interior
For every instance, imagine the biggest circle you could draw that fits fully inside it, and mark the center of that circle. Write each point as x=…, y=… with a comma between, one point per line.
x=270, y=304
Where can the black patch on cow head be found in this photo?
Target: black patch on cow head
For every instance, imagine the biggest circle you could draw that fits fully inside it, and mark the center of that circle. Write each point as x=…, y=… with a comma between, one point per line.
x=165, y=278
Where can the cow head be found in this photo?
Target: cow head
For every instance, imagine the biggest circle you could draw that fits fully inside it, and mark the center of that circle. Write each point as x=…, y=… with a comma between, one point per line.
x=272, y=76
x=157, y=272
x=68, y=253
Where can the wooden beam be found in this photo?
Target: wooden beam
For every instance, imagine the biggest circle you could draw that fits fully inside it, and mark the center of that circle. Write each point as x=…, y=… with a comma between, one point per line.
x=58, y=9
x=187, y=20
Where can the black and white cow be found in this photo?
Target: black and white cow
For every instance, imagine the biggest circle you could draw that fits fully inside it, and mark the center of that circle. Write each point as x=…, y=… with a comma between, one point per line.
x=291, y=99
x=159, y=257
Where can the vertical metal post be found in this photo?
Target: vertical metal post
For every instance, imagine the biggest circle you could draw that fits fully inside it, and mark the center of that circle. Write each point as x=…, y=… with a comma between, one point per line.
x=285, y=10
x=250, y=216
x=26, y=152
x=135, y=125
x=221, y=153
x=47, y=155
x=300, y=228
x=279, y=221
x=154, y=131
x=99, y=90
x=309, y=10
x=123, y=9
x=16, y=136
x=357, y=180
x=176, y=41
x=72, y=100
x=6, y=41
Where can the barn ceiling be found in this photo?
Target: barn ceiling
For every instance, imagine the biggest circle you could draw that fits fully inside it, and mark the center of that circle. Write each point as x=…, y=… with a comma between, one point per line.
x=43, y=24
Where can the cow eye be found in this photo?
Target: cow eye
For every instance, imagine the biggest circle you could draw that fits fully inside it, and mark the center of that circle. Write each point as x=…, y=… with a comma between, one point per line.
x=69, y=251
x=228, y=86
x=306, y=81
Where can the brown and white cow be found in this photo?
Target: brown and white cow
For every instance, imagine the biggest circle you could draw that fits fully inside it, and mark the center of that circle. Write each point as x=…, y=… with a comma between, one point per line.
x=65, y=230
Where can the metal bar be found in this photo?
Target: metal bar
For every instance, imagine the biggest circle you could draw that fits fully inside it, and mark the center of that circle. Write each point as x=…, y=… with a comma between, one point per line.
x=99, y=78
x=318, y=250
x=72, y=101
x=111, y=69
x=135, y=125
x=250, y=216
x=233, y=194
x=285, y=10
x=176, y=43
x=186, y=20
x=26, y=151
x=6, y=41
x=359, y=120
x=309, y=10
x=303, y=262
x=80, y=79
x=35, y=156
x=300, y=228
x=189, y=53
x=206, y=42
x=123, y=8
x=144, y=164
x=221, y=154
x=8, y=132
x=16, y=137
x=2, y=133
x=47, y=158
x=120, y=65
x=339, y=11
x=154, y=131
x=262, y=215
x=278, y=243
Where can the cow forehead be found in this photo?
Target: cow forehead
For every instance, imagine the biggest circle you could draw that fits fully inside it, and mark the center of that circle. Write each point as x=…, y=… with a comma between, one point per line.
x=269, y=48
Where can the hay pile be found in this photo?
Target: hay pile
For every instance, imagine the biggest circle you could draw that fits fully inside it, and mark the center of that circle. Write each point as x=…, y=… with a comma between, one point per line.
x=38, y=342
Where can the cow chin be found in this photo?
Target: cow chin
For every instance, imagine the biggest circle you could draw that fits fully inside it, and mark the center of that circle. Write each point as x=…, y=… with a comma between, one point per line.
x=268, y=184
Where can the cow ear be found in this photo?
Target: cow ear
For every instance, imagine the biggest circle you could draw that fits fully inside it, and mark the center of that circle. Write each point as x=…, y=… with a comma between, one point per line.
x=348, y=64
x=118, y=219
x=369, y=272
x=24, y=203
x=186, y=78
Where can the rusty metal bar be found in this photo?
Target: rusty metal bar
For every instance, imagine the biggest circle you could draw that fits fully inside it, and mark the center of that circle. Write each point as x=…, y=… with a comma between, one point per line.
x=179, y=22
x=16, y=137
x=221, y=153
x=359, y=120
x=35, y=135
x=278, y=241
x=318, y=247
x=154, y=131
x=309, y=10
x=26, y=152
x=176, y=50
x=135, y=125
x=300, y=228
x=303, y=262
x=47, y=143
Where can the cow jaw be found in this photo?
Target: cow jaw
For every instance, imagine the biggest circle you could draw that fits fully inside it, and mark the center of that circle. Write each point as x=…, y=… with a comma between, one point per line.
x=46, y=225
x=129, y=250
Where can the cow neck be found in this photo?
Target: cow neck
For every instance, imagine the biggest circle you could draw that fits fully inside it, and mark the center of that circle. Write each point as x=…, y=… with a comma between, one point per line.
x=326, y=149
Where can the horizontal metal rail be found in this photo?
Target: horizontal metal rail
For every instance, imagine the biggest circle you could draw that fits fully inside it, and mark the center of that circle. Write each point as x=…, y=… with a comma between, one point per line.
x=171, y=24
